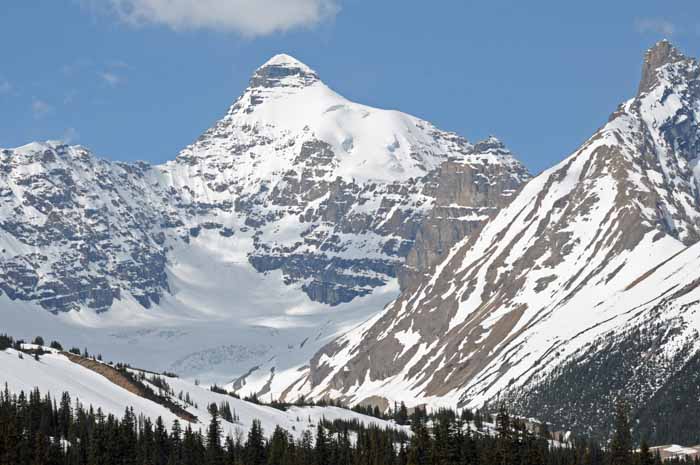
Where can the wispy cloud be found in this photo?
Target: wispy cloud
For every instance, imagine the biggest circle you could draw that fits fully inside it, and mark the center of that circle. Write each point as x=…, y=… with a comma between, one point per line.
x=110, y=78
x=247, y=17
x=117, y=64
x=69, y=135
x=5, y=87
x=69, y=97
x=40, y=108
x=657, y=26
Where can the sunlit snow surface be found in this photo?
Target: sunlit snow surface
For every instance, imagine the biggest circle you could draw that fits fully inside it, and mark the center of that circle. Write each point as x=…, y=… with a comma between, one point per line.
x=222, y=319
x=55, y=374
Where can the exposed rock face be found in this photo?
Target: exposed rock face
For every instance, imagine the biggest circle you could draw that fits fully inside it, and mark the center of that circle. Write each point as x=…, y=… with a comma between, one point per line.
x=594, y=245
x=663, y=53
x=330, y=192
x=77, y=231
x=466, y=196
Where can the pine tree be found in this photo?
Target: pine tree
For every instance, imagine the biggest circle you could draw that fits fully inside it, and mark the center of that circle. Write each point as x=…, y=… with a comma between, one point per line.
x=255, y=445
x=161, y=443
x=420, y=441
x=5, y=342
x=56, y=345
x=645, y=457
x=214, y=452
x=305, y=452
x=175, y=442
x=621, y=444
x=478, y=421
x=278, y=447
x=230, y=451
x=321, y=446
x=402, y=415
x=504, y=437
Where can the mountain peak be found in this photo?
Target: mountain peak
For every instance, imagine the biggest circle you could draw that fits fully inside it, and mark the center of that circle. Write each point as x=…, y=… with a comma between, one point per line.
x=661, y=54
x=491, y=143
x=284, y=60
x=283, y=70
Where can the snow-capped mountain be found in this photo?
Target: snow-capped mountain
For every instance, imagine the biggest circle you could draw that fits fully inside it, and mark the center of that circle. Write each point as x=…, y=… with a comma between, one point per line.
x=598, y=255
x=334, y=192
x=286, y=222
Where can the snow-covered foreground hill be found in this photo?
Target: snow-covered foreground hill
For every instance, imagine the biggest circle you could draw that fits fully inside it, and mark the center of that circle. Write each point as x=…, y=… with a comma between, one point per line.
x=56, y=373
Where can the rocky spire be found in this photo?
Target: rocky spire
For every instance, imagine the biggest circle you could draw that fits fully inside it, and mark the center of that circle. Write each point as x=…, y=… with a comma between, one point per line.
x=283, y=71
x=490, y=144
x=662, y=53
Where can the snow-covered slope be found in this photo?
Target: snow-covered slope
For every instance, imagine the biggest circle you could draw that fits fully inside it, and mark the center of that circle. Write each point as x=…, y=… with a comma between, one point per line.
x=282, y=226
x=597, y=247
x=55, y=373
x=333, y=192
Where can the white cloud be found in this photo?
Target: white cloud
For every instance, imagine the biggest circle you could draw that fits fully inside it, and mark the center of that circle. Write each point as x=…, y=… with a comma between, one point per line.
x=110, y=78
x=655, y=25
x=246, y=17
x=40, y=108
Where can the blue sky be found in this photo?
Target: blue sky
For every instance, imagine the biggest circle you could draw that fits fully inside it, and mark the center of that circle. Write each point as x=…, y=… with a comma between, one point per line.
x=140, y=79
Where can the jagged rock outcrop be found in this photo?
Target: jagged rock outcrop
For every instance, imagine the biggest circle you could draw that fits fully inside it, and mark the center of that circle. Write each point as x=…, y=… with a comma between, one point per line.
x=77, y=231
x=593, y=246
x=466, y=196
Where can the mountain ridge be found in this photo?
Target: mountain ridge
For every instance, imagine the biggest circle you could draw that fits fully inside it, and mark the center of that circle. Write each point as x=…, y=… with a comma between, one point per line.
x=547, y=275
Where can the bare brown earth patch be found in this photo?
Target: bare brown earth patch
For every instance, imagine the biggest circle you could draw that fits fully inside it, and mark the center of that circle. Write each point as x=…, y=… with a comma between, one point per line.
x=651, y=271
x=119, y=379
x=112, y=374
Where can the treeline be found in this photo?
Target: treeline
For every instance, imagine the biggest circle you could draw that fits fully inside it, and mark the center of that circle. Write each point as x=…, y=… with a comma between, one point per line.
x=663, y=390
x=36, y=430
x=7, y=342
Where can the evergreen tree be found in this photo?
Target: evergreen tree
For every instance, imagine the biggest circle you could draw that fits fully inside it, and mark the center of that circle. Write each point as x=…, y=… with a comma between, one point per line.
x=56, y=345
x=255, y=445
x=321, y=446
x=645, y=456
x=36, y=430
x=478, y=420
x=621, y=444
x=401, y=416
x=175, y=448
x=278, y=447
x=214, y=451
x=161, y=443
x=5, y=342
x=504, y=437
x=420, y=441
x=305, y=452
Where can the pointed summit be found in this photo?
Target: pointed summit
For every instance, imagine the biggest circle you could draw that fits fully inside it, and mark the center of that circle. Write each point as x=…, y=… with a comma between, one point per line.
x=284, y=60
x=283, y=70
x=490, y=144
x=662, y=53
